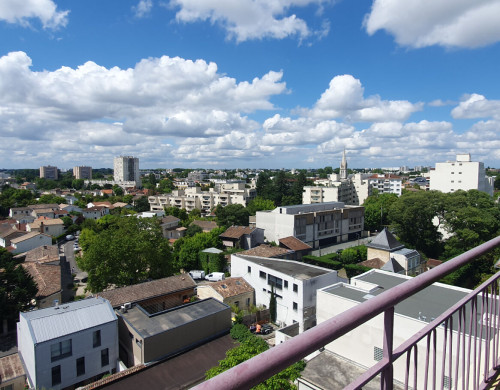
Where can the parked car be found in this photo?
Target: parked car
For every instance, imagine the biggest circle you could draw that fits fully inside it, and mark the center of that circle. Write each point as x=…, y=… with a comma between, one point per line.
x=215, y=276
x=197, y=274
x=70, y=237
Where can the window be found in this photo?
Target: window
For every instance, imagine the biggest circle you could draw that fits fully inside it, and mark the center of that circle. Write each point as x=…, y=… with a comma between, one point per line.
x=249, y=269
x=275, y=281
x=295, y=306
x=80, y=366
x=248, y=302
x=104, y=357
x=60, y=350
x=97, y=338
x=56, y=375
x=295, y=288
x=286, y=283
x=237, y=303
x=262, y=275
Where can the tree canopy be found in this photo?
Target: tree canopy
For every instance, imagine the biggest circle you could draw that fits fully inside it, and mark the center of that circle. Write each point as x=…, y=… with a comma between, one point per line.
x=124, y=251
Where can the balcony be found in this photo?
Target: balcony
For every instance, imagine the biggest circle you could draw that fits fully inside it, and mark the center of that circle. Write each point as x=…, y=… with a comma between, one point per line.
x=458, y=349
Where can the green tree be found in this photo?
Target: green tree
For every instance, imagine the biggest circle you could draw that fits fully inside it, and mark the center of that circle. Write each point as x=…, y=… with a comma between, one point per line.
x=273, y=305
x=77, y=184
x=166, y=186
x=187, y=249
x=117, y=190
x=141, y=204
x=232, y=214
x=17, y=287
x=377, y=210
x=192, y=230
x=260, y=204
x=127, y=252
x=264, y=186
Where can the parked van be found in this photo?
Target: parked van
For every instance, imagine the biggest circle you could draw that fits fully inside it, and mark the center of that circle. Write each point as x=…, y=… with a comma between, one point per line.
x=197, y=274
x=215, y=276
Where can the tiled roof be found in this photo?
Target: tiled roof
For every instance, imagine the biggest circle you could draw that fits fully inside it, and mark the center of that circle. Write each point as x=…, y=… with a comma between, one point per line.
x=43, y=254
x=237, y=232
x=43, y=211
x=120, y=204
x=373, y=263
x=46, y=276
x=386, y=241
x=11, y=367
x=169, y=219
x=294, y=243
x=142, y=291
x=431, y=263
x=231, y=287
x=52, y=206
x=105, y=204
x=266, y=251
x=27, y=236
x=47, y=222
x=205, y=225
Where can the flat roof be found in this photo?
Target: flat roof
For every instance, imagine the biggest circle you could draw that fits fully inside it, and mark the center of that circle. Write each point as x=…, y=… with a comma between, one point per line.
x=292, y=268
x=424, y=305
x=150, y=325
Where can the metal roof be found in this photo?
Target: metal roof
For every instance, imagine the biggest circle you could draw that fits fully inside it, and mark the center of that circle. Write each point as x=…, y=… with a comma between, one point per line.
x=54, y=322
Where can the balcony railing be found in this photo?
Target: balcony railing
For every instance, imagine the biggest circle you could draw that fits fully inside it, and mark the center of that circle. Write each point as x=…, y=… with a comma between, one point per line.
x=468, y=334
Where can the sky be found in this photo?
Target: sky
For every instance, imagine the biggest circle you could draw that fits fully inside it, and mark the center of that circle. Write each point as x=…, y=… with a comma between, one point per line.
x=249, y=83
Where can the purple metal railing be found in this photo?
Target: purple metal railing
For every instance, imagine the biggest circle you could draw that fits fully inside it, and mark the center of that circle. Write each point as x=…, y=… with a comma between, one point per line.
x=469, y=354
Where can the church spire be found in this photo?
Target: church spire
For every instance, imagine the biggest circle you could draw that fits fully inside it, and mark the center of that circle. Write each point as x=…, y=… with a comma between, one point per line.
x=343, y=167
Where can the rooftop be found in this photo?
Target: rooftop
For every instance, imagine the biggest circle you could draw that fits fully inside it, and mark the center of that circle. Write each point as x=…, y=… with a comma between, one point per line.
x=294, y=269
x=231, y=287
x=146, y=290
x=294, y=243
x=53, y=322
x=10, y=368
x=265, y=250
x=150, y=325
x=385, y=240
x=237, y=231
x=27, y=236
x=46, y=276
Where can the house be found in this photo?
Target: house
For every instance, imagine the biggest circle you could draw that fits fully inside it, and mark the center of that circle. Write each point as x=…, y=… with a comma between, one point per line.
x=169, y=225
x=7, y=233
x=30, y=241
x=16, y=212
x=164, y=293
x=294, y=285
x=48, y=213
x=231, y=291
x=206, y=226
x=388, y=249
x=266, y=250
x=48, y=281
x=364, y=344
x=12, y=375
x=43, y=254
x=95, y=212
x=243, y=237
x=68, y=345
x=317, y=225
x=52, y=227
x=149, y=334
x=300, y=248
x=70, y=208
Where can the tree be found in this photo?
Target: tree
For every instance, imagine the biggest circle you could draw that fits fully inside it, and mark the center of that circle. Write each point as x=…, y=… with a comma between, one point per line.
x=260, y=204
x=17, y=287
x=187, y=249
x=117, y=190
x=141, y=204
x=377, y=210
x=77, y=184
x=232, y=214
x=272, y=304
x=192, y=230
x=126, y=252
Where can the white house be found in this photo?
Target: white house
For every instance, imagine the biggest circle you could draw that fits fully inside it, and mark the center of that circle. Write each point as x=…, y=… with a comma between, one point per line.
x=30, y=241
x=53, y=227
x=68, y=345
x=364, y=345
x=294, y=283
x=462, y=174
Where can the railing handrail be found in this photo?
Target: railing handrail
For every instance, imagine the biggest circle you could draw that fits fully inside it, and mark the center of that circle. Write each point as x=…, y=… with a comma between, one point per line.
x=257, y=369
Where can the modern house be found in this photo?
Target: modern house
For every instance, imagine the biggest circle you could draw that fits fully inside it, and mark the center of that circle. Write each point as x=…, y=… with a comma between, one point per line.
x=68, y=345
x=364, y=344
x=294, y=285
x=317, y=224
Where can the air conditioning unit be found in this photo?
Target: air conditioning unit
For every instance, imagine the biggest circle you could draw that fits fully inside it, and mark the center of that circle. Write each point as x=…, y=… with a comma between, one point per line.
x=128, y=305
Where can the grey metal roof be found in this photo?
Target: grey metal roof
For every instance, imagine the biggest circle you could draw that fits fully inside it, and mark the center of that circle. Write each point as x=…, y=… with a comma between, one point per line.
x=53, y=322
x=292, y=268
x=424, y=305
x=386, y=241
x=160, y=322
x=212, y=250
x=406, y=252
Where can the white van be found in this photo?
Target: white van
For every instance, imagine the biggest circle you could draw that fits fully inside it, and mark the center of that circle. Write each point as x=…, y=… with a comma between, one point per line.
x=215, y=276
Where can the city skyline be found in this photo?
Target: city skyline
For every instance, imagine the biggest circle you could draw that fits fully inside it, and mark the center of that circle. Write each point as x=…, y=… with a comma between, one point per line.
x=275, y=84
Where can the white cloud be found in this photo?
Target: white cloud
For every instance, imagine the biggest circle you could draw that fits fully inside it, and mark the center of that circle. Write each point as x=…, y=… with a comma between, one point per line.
x=449, y=23
x=344, y=99
x=476, y=106
x=251, y=19
x=21, y=12
x=143, y=8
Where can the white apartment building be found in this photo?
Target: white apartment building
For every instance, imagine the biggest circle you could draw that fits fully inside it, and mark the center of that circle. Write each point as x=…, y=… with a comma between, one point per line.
x=295, y=284
x=82, y=172
x=126, y=168
x=49, y=172
x=386, y=183
x=364, y=345
x=68, y=345
x=194, y=198
x=315, y=224
x=461, y=174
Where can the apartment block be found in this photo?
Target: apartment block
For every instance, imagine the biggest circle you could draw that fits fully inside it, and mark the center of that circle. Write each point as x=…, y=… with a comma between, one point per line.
x=49, y=172
x=82, y=172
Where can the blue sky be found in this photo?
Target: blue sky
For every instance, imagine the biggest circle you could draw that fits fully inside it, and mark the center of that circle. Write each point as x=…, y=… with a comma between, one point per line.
x=249, y=83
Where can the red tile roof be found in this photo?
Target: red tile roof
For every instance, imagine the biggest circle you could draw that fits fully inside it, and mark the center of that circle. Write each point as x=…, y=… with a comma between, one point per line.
x=47, y=278
x=231, y=287
x=237, y=232
x=294, y=243
x=266, y=251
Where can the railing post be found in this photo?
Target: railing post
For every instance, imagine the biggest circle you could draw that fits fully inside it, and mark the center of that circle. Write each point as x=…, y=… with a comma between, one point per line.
x=387, y=375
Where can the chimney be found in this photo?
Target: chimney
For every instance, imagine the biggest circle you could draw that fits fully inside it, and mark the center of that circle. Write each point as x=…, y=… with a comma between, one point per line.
x=41, y=227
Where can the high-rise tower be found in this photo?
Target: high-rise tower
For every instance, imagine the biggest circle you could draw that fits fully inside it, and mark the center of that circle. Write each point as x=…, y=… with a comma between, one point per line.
x=126, y=168
x=343, y=167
